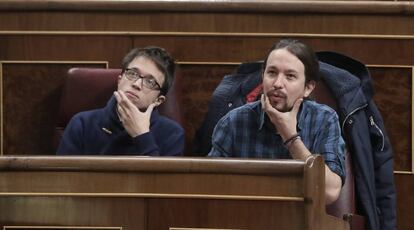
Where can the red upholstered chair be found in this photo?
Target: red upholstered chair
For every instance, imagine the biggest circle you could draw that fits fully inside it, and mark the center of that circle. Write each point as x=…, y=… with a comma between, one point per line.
x=344, y=207
x=91, y=88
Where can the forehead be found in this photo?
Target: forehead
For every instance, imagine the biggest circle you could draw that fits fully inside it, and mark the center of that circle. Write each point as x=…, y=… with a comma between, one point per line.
x=284, y=60
x=147, y=67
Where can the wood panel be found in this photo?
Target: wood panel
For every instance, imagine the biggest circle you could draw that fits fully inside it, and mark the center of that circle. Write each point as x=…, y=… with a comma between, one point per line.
x=60, y=228
x=405, y=201
x=126, y=213
x=30, y=100
x=154, y=193
x=199, y=81
x=334, y=6
x=64, y=48
x=207, y=22
x=197, y=47
x=197, y=94
x=239, y=214
x=394, y=90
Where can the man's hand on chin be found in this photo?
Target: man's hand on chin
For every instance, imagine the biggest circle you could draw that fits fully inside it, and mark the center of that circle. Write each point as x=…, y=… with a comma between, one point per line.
x=134, y=121
x=284, y=122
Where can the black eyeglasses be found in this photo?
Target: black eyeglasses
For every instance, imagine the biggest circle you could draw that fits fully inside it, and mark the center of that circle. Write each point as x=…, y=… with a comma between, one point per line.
x=147, y=81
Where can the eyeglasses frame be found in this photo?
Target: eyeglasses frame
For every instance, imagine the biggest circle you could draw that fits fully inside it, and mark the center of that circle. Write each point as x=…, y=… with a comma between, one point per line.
x=142, y=77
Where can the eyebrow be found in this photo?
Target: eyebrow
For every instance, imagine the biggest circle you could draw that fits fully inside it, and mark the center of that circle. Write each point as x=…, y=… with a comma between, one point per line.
x=272, y=67
x=140, y=72
x=292, y=71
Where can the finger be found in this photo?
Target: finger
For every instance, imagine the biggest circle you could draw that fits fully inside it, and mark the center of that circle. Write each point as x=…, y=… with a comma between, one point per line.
x=297, y=104
x=269, y=107
x=267, y=102
x=121, y=112
x=117, y=96
x=150, y=108
x=122, y=96
x=262, y=100
x=125, y=102
x=119, y=108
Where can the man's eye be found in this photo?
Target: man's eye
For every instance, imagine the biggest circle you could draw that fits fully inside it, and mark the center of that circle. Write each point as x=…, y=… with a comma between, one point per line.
x=150, y=81
x=291, y=76
x=271, y=72
x=132, y=73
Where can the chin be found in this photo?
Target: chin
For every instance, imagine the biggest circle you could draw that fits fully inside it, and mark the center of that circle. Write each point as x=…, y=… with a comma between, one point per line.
x=282, y=108
x=278, y=107
x=140, y=107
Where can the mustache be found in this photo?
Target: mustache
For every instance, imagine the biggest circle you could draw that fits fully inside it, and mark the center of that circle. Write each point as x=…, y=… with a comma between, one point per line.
x=276, y=93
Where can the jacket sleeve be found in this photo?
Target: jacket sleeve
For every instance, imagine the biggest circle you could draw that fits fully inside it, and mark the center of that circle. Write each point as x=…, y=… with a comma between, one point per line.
x=174, y=143
x=165, y=139
x=71, y=142
x=146, y=145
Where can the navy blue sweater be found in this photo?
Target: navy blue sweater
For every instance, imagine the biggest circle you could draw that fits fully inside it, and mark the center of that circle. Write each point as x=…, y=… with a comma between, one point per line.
x=99, y=132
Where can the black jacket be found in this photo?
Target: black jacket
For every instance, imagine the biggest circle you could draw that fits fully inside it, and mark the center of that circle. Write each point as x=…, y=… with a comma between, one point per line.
x=100, y=132
x=365, y=134
x=361, y=122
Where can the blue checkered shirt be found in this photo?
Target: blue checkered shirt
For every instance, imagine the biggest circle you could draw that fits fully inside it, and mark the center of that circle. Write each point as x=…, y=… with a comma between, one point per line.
x=247, y=132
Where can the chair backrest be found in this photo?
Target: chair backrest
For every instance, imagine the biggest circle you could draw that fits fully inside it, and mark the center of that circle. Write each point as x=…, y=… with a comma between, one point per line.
x=91, y=88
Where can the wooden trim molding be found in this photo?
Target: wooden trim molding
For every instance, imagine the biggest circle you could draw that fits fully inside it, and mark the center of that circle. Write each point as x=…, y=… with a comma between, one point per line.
x=175, y=228
x=203, y=34
x=158, y=195
x=1, y=109
x=148, y=164
x=54, y=62
x=269, y=6
x=61, y=227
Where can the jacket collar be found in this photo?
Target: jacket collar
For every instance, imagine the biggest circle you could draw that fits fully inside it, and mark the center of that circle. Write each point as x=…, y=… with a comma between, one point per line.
x=348, y=79
x=352, y=66
x=253, y=77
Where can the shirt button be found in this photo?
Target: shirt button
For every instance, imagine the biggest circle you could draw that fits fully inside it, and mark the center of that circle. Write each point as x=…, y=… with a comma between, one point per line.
x=230, y=104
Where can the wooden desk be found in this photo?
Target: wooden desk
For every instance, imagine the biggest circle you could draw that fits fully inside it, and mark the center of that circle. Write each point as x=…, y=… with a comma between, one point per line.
x=163, y=193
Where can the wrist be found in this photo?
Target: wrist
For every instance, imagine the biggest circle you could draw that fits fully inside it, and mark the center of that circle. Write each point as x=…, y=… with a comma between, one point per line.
x=286, y=135
x=138, y=132
x=289, y=141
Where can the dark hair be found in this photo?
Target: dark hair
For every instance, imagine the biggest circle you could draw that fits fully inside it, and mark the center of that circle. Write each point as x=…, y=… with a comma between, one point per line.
x=162, y=59
x=303, y=52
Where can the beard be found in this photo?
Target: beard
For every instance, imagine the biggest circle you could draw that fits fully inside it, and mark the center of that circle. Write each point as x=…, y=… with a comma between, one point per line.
x=279, y=101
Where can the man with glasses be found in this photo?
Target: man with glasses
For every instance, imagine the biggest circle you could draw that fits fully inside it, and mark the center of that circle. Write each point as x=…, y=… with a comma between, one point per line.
x=130, y=124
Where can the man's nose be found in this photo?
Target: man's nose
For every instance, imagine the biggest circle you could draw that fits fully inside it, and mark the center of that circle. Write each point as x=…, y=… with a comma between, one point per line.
x=138, y=82
x=278, y=82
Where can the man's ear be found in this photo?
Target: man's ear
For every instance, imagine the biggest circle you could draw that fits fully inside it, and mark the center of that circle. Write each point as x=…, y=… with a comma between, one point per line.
x=119, y=78
x=309, y=88
x=160, y=100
